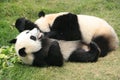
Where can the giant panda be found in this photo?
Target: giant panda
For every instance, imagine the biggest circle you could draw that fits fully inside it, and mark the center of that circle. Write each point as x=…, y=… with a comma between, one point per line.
x=70, y=27
x=35, y=49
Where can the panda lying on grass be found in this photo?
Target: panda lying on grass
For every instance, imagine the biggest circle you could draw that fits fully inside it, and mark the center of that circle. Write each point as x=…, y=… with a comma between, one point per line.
x=35, y=49
x=70, y=27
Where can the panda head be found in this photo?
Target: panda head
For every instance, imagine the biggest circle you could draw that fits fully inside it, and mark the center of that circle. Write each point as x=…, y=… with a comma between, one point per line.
x=27, y=43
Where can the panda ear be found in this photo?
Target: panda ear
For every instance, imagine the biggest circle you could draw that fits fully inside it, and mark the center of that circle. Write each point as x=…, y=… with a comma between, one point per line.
x=20, y=24
x=41, y=14
x=13, y=41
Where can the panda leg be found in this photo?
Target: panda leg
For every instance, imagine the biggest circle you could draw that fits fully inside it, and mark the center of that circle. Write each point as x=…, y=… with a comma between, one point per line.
x=103, y=44
x=54, y=57
x=81, y=55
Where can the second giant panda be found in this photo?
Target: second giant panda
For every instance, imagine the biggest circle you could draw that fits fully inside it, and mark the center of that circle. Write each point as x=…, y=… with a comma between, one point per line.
x=70, y=27
x=37, y=50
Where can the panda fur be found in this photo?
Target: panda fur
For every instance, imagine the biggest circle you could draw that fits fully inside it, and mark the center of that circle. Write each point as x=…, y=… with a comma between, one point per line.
x=70, y=27
x=37, y=50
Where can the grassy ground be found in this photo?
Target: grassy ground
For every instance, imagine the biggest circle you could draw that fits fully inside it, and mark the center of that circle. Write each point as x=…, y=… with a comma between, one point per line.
x=106, y=68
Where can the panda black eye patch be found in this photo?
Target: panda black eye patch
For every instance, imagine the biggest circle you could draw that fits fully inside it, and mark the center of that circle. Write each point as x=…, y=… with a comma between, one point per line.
x=27, y=32
x=33, y=38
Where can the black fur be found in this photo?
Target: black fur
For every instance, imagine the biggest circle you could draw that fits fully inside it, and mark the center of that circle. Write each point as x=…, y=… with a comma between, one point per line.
x=81, y=55
x=24, y=24
x=49, y=55
x=54, y=57
x=33, y=38
x=66, y=27
x=22, y=52
x=13, y=41
x=41, y=14
x=39, y=59
x=103, y=43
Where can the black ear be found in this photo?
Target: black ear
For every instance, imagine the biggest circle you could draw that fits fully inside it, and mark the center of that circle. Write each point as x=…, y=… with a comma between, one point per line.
x=20, y=24
x=41, y=13
x=13, y=41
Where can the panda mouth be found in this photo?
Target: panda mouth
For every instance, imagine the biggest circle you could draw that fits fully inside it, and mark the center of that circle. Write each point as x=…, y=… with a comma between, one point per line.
x=39, y=34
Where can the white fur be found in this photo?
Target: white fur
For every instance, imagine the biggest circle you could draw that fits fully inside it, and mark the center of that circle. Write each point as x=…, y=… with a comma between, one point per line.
x=45, y=22
x=28, y=59
x=67, y=47
x=90, y=27
x=24, y=41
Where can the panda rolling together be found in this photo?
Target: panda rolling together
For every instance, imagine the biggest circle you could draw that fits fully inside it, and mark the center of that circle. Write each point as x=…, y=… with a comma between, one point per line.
x=35, y=49
x=72, y=27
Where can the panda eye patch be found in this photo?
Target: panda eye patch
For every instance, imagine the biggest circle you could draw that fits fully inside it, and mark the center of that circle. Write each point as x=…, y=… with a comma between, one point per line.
x=27, y=32
x=33, y=38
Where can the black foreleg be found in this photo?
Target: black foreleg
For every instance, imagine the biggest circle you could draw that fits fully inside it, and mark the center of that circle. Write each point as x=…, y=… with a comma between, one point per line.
x=54, y=57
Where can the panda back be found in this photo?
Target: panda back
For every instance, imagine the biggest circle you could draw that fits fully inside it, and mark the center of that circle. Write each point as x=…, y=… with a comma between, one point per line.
x=91, y=27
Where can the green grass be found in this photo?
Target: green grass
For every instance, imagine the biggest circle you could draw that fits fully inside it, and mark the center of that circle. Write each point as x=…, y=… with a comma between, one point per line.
x=107, y=68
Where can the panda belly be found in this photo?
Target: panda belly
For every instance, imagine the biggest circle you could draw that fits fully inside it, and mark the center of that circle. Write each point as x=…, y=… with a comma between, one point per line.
x=67, y=47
